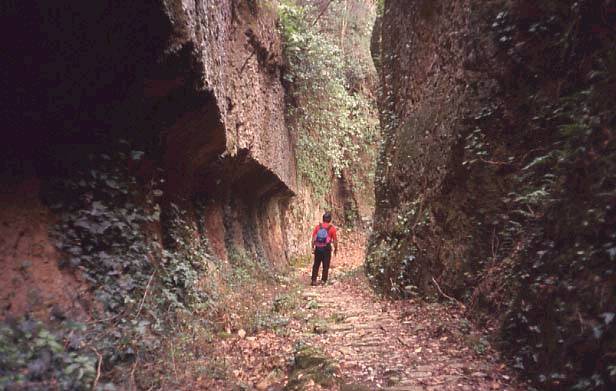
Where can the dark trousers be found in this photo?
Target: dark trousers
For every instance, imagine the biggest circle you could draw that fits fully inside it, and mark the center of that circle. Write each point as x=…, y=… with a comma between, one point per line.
x=323, y=255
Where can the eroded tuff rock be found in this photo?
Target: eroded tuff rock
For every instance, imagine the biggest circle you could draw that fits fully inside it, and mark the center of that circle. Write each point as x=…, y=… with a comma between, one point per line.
x=184, y=97
x=146, y=169
x=497, y=176
x=238, y=53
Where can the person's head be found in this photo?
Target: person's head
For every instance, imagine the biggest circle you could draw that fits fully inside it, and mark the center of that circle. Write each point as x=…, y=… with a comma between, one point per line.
x=327, y=217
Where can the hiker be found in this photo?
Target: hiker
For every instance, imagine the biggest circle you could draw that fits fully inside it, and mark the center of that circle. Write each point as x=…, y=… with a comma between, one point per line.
x=323, y=237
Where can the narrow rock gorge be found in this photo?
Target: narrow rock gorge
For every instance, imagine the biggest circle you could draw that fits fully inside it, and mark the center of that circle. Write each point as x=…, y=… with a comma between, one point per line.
x=164, y=163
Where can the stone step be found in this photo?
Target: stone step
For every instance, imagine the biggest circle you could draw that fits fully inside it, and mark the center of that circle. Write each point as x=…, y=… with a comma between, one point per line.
x=418, y=374
x=365, y=344
x=340, y=327
x=405, y=388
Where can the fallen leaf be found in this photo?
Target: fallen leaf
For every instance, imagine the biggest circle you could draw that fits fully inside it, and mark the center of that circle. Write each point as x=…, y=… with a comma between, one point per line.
x=262, y=385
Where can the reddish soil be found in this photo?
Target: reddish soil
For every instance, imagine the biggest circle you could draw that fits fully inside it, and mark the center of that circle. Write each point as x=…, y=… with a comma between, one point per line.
x=215, y=230
x=31, y=281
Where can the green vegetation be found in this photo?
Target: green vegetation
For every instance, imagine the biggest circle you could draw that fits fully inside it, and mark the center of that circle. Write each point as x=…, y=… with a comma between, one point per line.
x=562, y=208
x=143, y=289
x=149, y=298
x=153, y=292
x=32, y=356
x=156, y=307
x=522, y=228
x=335, y=123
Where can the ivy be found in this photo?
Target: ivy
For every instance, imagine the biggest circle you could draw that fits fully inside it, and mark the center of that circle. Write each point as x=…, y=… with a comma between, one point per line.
x=106, y=232
x=100, y=230
x=183, y=260
x=523, y=226
x=34, y=357
x=334, y=125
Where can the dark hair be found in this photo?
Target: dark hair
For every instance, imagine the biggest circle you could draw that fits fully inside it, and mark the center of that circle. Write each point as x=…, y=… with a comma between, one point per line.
x=327, y=217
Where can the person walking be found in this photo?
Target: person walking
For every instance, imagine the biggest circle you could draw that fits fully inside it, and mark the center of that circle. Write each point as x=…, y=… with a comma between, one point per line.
x=323, y=238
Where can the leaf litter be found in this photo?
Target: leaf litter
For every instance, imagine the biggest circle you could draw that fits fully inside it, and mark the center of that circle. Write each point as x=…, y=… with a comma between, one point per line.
x=373, y=343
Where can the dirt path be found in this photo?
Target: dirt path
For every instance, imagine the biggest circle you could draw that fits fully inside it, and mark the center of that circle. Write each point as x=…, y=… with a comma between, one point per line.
x=407, y=345
x=358, y=341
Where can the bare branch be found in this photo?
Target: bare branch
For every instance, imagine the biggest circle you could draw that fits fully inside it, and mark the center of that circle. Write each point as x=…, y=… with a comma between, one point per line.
x=98, y=368
x=438, y=287
x=322, y=12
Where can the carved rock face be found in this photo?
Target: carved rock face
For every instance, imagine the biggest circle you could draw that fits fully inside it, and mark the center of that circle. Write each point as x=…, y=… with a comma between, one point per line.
x=478, y=187
x=193, y=87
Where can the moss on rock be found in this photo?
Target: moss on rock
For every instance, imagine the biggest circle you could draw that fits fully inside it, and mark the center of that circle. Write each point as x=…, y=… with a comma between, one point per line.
x=310, y=365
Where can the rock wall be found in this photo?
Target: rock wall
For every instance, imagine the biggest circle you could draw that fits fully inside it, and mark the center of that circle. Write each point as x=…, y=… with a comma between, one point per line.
x=496, y=179
x=146, y=164
x=184, y=98
x=238, y=49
